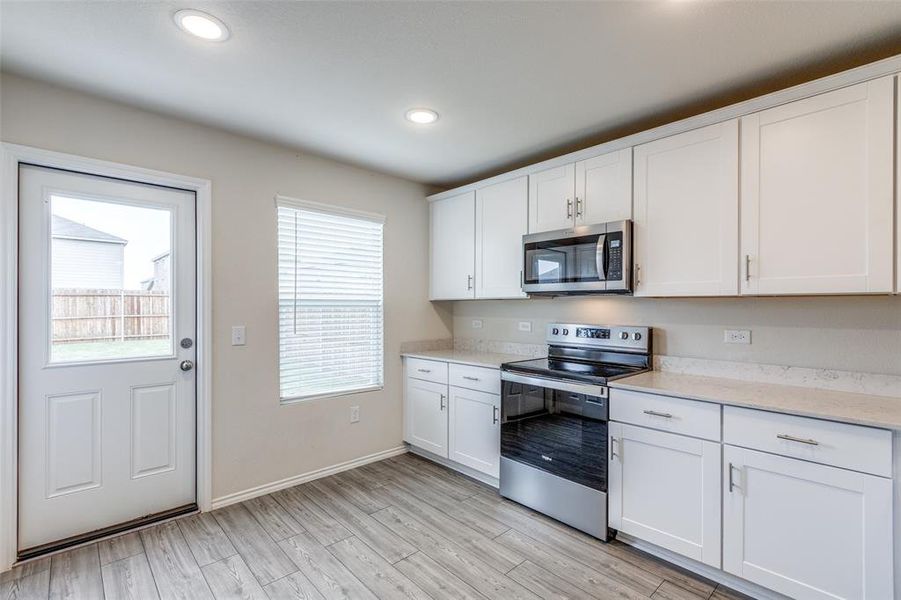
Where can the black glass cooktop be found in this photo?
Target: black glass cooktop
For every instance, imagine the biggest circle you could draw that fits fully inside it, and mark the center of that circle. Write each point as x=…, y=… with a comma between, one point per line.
x=573, y=370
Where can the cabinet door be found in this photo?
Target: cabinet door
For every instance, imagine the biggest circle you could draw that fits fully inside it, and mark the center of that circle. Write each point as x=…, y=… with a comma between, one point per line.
x=425, y=415
x=808, y=531
x=817, y=194
x=501, y=221
x=604, y=188
x=552, y=198
x=452, y=243
x=665, y=489
x=475, y=432
x=686, y=214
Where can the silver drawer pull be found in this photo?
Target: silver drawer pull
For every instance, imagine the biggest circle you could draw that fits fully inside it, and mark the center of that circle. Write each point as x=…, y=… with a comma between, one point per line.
x=654, y=413
x=424, y=370
x=467, y=377
x=791, y=438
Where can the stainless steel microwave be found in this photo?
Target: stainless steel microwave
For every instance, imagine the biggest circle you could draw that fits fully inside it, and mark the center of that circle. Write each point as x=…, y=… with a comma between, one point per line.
x=590, y=259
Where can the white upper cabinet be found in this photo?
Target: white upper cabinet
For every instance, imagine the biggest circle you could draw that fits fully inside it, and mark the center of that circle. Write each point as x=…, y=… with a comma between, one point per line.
x=808, y=531
x=452, y=242
x=501, y=220
x=604, y=188
x=686, y=213
x=816, y=188
x=552, y=198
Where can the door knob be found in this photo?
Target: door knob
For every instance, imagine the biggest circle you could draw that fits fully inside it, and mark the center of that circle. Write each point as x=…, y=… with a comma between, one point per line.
x=186, y=365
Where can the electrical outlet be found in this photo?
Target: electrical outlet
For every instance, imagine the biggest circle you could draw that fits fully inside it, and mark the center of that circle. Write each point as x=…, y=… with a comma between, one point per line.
x=354, y=414
x=239, y=335
x=477, y=323
x=737, y=336
x=525, y=326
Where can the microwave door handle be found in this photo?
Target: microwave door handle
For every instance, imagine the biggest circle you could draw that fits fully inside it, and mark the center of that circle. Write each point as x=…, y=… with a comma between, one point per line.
x=601, y=257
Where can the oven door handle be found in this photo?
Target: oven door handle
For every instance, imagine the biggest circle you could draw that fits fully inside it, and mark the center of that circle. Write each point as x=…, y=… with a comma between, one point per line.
x=598, y=391
x=600, y=257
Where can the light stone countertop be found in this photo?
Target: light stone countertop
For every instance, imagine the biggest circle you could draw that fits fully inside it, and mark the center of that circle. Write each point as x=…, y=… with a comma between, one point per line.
x=847, y=407
x=468, y=357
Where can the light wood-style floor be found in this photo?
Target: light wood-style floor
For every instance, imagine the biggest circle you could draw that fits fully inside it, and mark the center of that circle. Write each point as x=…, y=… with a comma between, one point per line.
x=402, y=528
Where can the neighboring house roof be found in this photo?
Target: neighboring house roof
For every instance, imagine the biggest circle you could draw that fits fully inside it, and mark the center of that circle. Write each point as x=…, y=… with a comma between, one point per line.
x=64, y=228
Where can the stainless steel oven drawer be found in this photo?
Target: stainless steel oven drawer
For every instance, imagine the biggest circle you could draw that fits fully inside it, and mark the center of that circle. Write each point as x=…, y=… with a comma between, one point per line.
x=574, y=504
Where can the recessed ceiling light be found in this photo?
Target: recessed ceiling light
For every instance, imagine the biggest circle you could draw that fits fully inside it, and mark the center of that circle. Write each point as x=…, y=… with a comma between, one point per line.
x=200, y=24
x=422, y=116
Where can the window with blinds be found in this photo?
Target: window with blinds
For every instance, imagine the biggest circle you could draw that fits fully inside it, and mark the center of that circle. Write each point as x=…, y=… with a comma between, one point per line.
x=330, y=315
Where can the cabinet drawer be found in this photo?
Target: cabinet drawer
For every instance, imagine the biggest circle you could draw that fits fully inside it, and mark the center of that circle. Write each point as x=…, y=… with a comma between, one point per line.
x=430, y=370
x=676, y=415
x=475, y=378
x=864, y=449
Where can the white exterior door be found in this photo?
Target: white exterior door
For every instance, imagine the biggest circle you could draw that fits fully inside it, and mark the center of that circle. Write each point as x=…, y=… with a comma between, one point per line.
x=475, y=432
x=106, y=294
x=552, y=199
x=686, y=214
x=604, y=188
x=665, y=489
x=426, y=415
x=817, y=194
x=452, y=243
x=501, y=221
x=809, y=531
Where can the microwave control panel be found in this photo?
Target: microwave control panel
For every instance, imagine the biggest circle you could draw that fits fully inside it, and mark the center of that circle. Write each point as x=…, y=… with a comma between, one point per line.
x=615, y=256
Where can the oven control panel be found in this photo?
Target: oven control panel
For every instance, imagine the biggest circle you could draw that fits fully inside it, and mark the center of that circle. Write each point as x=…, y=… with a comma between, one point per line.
x=614, y=337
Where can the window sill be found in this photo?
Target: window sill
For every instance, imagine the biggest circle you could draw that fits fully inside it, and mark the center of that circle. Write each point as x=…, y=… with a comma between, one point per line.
x=301, y=399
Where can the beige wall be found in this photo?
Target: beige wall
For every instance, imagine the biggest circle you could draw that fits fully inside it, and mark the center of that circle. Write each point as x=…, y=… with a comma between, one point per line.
x=256, y=440
x=857, y=333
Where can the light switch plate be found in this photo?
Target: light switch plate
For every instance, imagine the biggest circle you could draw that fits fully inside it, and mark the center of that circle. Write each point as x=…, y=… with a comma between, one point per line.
x=737, y=336
x=477, y=323
x=239, y=335
x=525, y=326
x=354, y=414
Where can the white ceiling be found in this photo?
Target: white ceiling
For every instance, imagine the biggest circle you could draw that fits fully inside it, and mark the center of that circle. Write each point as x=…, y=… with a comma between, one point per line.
x=510, y=80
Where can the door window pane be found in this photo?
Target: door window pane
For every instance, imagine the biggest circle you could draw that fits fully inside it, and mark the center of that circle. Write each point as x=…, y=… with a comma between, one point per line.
x=110, y=275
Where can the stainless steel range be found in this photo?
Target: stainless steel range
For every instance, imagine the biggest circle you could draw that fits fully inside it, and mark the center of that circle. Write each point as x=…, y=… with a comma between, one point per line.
x=554, y=421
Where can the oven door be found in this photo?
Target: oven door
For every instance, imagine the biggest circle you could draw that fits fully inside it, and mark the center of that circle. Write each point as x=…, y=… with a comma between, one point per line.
x=554, y=449
x=565, y=261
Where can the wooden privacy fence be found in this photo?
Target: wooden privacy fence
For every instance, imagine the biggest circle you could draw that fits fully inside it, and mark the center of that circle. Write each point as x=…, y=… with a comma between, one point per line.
x=82, y=315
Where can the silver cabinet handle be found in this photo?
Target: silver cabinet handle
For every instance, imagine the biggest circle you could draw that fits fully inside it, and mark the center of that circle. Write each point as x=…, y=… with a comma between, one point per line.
x=578, y=207
x=654, y=413
x=468, y=378
x=791, y=438
x=612, y=443
x=731, y=481
x=494, y=416
x=186, y=365
x=747, y=267
x=468, y=282
x=569, y=208
x=443, y=398
x=637, y=274
x=424, y=370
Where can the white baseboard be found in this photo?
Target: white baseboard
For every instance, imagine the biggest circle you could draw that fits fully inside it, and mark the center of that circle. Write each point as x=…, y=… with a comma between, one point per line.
x=268, y=488
x=731, y=581
x=455, y=466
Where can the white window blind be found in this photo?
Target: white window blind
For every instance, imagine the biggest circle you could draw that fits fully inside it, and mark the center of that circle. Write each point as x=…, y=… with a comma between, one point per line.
x=330, y=300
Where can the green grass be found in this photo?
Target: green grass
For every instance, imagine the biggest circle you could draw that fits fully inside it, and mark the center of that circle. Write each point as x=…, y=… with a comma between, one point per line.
x=109, y=350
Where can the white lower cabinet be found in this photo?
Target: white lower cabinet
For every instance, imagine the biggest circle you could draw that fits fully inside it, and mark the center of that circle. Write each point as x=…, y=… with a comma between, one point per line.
x=475, y=431
x=425, y=415
x=806, y=530
x=665, y=488
x=458, y=423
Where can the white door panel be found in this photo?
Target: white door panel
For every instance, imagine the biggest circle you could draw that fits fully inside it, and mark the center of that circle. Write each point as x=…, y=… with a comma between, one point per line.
x=452, y=246
x=475, y=434
x=817, y=194
x=106, y=416
x=686, y=213
x=552, y=199
x=425, y=413
x=604, y=188
x=809, y=531
x=501, y=221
